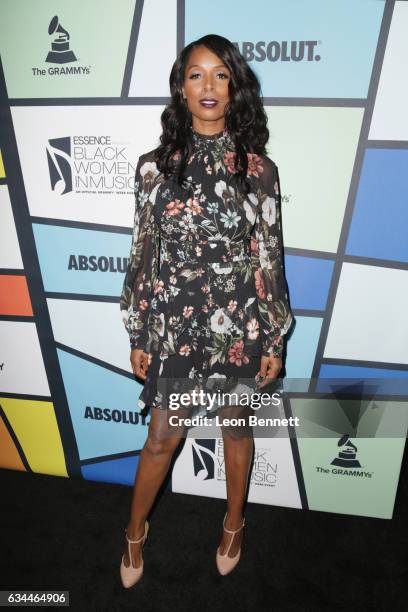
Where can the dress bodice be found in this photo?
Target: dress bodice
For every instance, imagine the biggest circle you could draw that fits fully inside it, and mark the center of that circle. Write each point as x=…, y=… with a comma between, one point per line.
x=205, y=247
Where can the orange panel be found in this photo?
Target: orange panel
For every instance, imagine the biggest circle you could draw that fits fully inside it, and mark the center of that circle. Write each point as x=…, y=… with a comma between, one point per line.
x=14, y=296
x=9, y=456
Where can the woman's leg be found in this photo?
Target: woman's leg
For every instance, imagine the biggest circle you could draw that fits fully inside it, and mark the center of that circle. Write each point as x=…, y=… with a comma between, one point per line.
x=238, y=452
x=155, y=458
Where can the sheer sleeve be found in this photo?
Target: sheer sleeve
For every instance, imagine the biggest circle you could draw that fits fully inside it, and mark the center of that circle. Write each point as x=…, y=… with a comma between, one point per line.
x=142, y=269
x=266, y=261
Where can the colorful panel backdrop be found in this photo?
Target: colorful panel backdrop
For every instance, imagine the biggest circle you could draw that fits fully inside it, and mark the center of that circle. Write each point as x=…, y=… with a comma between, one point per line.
x=78, y=107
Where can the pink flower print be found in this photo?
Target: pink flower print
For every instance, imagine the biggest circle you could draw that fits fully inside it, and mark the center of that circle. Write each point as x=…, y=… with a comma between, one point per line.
x=143, y=304
x=229, y=161
x=188, y=311
x=177, y=155
x=253, y=328
x=194, y=206
x=198, y=251
x=259, y=284
x=158, y=286
x=184, y=350
x=254, y=164
x=205, y=288
x=174, y=207
x=237, y=355
x=254, y=246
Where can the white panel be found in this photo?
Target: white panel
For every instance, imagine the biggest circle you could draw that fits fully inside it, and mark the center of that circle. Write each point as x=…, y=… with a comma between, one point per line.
x=22, y=370
x=10, y=256
x=156, y=49
x=94, y=328
x=390, y=118
x=273, y=477
x=127, y=132
x=369, y=320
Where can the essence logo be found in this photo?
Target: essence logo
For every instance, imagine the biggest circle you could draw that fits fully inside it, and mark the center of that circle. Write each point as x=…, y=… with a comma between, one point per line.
x=59, y=164
x=275, y=51
x=89, y=164
x=204, y=459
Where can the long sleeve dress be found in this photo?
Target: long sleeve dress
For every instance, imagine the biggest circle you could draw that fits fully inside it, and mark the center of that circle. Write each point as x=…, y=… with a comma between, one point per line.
x=204, y=293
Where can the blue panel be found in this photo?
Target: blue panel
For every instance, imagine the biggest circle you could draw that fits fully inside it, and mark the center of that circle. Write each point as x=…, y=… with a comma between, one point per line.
x=120, y=471
x=103, y=408
x=380, y=218
x=368, y=381
x=308, y=281
x=81, y=261
x=301, y=351
x=328, y=38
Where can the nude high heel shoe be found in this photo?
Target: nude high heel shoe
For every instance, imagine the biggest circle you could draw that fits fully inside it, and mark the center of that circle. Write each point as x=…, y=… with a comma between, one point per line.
x=226, y=564
x=130, y=575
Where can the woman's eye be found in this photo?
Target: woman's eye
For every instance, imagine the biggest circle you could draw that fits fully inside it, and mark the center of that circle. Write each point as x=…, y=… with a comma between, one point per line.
x=219, y=74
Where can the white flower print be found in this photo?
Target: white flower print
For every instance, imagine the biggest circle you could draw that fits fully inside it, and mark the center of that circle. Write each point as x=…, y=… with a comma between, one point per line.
x=250, y=211
x=220, y=322
x=269, y=210
x=230, y=219
x=212, y=208
x=223, y=191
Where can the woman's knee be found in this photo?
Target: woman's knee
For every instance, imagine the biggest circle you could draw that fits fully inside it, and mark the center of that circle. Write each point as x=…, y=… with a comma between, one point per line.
x=157, y=444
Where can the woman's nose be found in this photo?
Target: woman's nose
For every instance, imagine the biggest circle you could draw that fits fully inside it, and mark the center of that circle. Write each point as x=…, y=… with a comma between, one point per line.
x=208, y=83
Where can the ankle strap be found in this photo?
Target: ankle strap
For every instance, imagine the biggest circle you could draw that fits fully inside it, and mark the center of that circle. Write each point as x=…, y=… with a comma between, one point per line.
x=233, y=530
x=135, y=541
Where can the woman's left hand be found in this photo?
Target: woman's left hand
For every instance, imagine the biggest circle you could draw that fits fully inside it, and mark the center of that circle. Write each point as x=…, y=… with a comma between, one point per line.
x=270, y=368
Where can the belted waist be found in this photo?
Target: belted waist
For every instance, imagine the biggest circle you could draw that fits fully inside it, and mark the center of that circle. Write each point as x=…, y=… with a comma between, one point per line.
x=204, y=251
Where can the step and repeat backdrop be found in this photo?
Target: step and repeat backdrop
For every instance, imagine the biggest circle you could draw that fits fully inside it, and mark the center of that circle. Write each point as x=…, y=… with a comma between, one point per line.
x=82, y=91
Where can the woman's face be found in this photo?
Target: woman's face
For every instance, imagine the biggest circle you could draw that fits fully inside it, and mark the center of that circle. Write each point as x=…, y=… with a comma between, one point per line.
x=206, y=89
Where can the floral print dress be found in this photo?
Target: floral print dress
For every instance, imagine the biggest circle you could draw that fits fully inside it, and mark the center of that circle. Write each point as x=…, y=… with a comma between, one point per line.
x=204, y=293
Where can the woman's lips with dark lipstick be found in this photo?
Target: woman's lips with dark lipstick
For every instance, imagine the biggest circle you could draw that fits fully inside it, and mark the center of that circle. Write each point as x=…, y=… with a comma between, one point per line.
x=208, y=102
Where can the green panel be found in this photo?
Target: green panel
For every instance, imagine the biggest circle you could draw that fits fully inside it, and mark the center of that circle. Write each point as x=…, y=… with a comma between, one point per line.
x=364, y=479
x=95, y=59
x=314, y=148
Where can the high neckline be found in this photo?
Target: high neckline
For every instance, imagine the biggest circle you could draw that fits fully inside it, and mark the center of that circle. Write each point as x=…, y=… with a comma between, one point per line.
x=209, y=139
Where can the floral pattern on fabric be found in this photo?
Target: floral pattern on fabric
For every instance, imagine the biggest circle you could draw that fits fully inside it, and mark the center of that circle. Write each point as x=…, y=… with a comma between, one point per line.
x=206, y=261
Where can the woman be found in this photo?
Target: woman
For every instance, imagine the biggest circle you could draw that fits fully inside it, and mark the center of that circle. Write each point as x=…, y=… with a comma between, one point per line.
x=204, y=295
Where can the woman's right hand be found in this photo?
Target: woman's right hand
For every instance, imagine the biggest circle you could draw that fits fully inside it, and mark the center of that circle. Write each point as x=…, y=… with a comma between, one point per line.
x=140, y=362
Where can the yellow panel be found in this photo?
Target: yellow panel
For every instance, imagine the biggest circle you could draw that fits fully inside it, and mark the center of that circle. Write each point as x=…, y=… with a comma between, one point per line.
x=35, y=427
x=2, y=171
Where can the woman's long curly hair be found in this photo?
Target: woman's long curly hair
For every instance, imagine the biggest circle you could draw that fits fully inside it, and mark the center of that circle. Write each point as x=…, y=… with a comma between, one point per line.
x=245, y=117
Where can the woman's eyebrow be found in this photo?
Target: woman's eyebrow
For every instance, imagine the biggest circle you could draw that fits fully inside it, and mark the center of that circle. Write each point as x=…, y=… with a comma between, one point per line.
x=198, y=66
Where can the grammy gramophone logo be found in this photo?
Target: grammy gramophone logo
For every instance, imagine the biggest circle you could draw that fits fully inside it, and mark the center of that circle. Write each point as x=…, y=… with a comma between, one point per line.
x=347, y=455
x=60, y=52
